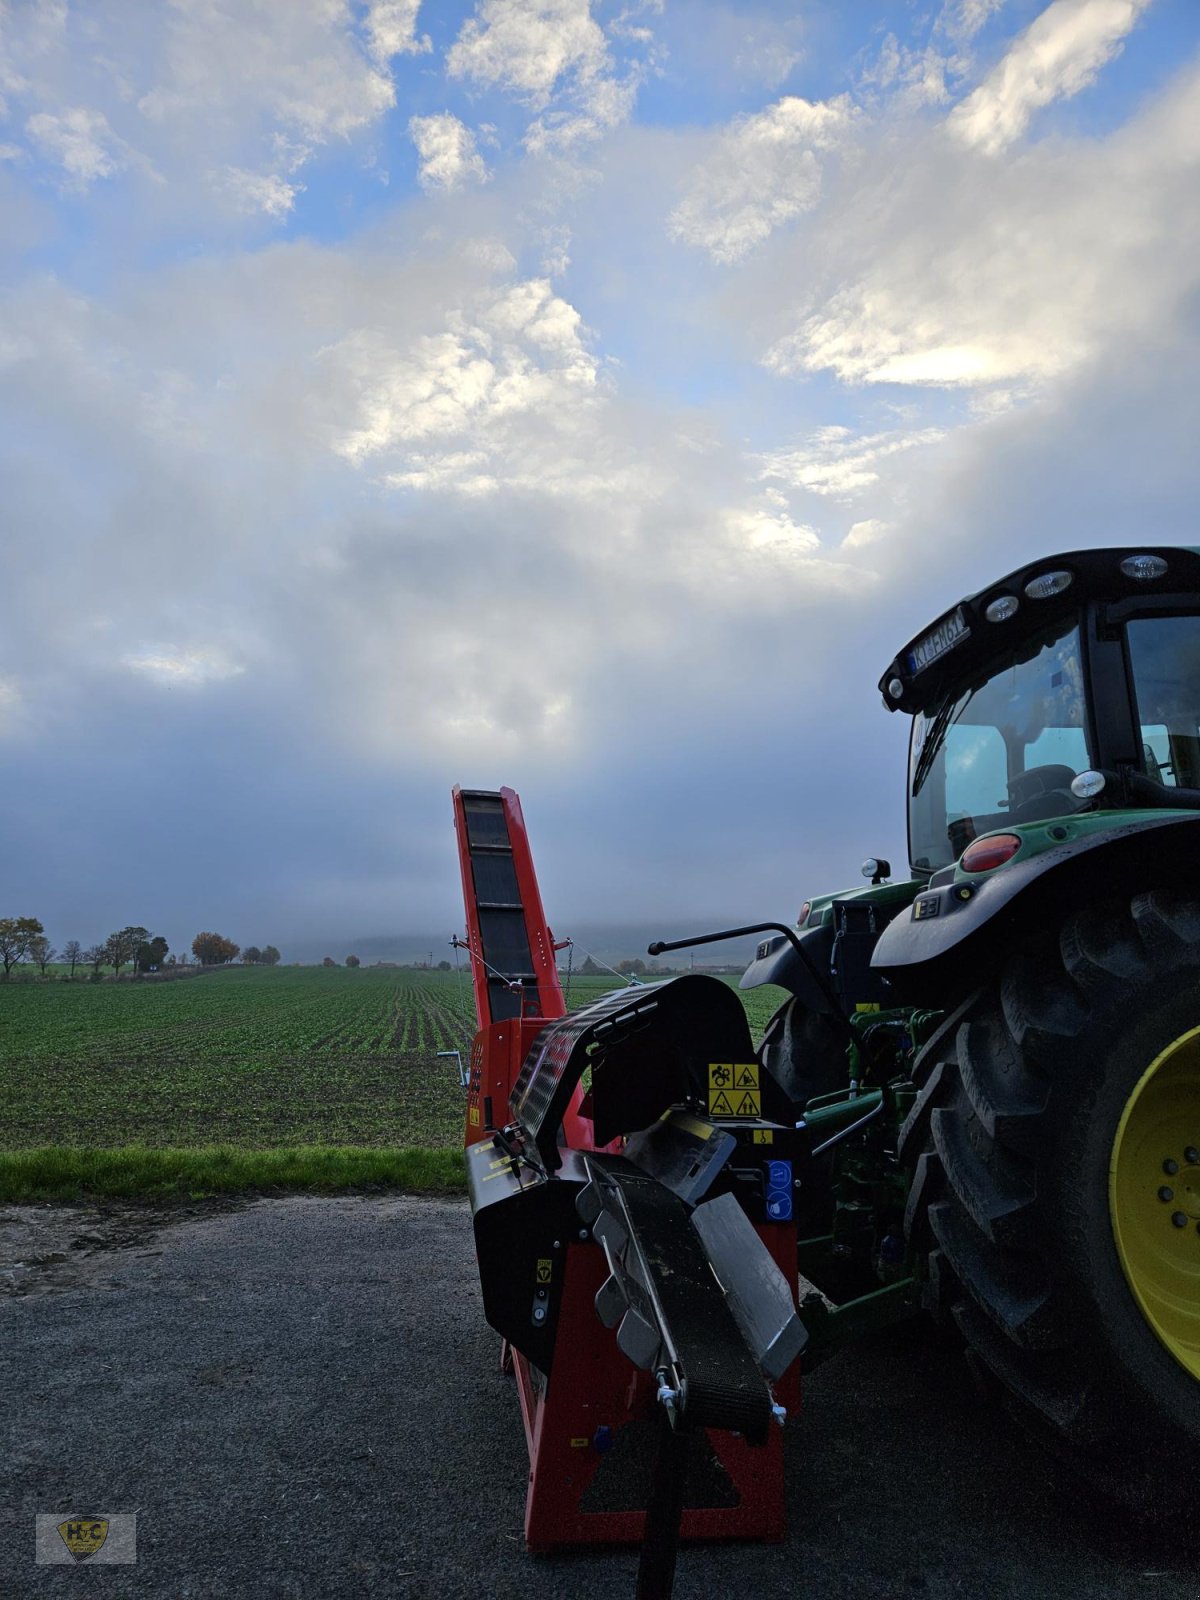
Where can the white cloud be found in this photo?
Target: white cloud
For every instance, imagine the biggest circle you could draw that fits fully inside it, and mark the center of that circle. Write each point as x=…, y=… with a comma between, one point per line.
x=80, y=140
x=910, y=77
x=391, y=28
x=294, y=60
x=258, y=191
x=602, y=104
x=944, y=281
x=10, y=705
x=178, y=94
x=1059, y=54
x=515, y=352
x=961, y=20
x=869, y=531
x=527, y=46
x=837, y=462
x=171, y=665
x=447, y=151
x=761, y=528
x=762, y=173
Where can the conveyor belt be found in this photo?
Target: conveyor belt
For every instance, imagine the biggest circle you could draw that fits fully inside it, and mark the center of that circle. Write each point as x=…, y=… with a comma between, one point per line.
x=506, y=927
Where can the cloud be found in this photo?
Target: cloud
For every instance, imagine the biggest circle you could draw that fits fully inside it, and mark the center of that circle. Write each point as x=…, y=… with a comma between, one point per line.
x=391, y=28
x=258, y=191
x=170, y=665
x=944, y=281
x=515, y=352
x=961, y=20
x=602, y=103
x=762, y=173
x=447, y=151
x=837, y=462
x=181, y=96
x=869, y=531
x=79, y=140
x=528, y=46
x=1059, y=54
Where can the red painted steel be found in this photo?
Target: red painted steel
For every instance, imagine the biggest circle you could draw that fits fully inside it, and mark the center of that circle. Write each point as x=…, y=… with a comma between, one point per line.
x=541, y=940
x=593, y=1386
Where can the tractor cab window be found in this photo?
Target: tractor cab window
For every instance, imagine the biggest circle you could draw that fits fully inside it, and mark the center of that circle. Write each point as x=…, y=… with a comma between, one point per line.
x=1164, y=653
x=1003, y=750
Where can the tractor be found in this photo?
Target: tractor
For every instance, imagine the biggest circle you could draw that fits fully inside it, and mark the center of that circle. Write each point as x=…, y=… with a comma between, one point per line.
x=980, y=1099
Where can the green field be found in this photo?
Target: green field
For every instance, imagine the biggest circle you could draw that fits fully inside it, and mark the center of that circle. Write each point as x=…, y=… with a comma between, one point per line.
x=250, y=1058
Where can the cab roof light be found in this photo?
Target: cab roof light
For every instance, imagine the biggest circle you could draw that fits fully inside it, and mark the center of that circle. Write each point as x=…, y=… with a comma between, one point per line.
x=1048, y=584
x=1143, y=568
x=1002, y=607
x=895, y=688
x=985, y=855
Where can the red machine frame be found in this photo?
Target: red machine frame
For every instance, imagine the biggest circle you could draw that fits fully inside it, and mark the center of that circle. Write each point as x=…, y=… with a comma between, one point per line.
x=592, y=1386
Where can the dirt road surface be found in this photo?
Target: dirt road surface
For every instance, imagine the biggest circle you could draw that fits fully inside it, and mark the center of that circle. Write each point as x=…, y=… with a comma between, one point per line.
x=299, y=1397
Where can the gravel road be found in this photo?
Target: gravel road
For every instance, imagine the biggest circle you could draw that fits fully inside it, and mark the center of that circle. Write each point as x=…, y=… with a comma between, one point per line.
x=300, y=1397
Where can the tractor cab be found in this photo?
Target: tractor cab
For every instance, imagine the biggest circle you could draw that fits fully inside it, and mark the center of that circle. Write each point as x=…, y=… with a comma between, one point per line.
x=1072, y=685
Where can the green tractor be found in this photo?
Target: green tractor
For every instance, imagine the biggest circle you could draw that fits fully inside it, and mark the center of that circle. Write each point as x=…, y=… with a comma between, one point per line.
x=1018, y=1150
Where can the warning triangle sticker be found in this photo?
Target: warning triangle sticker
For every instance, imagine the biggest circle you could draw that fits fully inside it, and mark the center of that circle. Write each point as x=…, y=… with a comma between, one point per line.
x=748, y=1105
x=720, y=1105
x=745, y=1077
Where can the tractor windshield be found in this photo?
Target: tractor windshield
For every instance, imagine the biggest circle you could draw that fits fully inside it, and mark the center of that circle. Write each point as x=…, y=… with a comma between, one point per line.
x=1164, y=653
x=1003, y=751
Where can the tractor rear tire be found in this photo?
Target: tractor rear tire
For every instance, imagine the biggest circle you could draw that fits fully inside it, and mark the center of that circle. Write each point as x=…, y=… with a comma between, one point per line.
x=805, y=1052
x=1056, y=1191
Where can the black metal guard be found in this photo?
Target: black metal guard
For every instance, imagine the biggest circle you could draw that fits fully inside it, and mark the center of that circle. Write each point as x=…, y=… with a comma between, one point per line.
x=814, y=972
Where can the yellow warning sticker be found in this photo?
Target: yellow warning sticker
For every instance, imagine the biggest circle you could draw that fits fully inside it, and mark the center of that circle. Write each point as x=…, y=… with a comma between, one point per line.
x=720, y=1075
x=764, y=1136
x=579, y=1444
x=545, y=1267
x=866, y=1005
x=473, y=1116
x=745, y=1076
x=734, y=1103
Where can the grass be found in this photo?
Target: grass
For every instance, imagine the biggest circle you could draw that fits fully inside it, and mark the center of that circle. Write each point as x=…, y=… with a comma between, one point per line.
x=138, y=1172
x=244, y=1079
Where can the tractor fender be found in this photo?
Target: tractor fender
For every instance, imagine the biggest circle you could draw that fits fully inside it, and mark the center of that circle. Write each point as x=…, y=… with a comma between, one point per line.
x=954, y=932
x=776, y=961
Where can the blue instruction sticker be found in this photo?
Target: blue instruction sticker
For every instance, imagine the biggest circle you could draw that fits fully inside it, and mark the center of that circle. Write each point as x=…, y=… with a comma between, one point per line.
x=779, y=1191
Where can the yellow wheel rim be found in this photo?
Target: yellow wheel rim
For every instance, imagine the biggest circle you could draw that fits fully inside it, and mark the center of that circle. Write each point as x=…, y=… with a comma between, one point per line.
x=1154, y=1197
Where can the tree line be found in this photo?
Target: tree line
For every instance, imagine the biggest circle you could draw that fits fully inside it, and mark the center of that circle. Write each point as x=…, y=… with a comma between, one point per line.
x=23, y=939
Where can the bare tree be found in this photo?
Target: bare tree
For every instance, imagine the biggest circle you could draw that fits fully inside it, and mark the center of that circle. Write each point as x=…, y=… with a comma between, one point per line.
x=73, y=953
x=41, y=951
x=96, y=957
x=122, y=946
x=15, y=936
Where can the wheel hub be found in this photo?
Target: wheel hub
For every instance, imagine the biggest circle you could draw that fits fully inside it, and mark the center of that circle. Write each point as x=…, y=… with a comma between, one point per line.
x=1154, y=1197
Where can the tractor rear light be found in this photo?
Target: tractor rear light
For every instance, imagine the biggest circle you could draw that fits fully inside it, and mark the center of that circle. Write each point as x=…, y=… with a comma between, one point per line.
x=1002, y=607
x=895, y=688
x=1048, y=584
x=804, y=910
x=983, y=855
x=1144, y=568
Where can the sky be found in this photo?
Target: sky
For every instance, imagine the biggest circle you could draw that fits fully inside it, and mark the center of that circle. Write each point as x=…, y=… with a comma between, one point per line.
x=585, y=397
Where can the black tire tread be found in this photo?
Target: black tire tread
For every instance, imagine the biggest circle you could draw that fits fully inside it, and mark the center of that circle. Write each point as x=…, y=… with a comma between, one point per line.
x=990, y=1121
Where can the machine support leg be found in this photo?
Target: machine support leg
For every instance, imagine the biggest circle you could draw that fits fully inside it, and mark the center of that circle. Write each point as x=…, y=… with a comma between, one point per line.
x=660, y=1542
